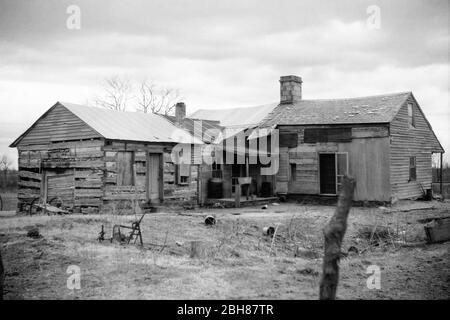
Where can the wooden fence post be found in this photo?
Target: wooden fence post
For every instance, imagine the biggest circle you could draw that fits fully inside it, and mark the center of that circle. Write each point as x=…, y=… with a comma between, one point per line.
x=2, y=276
x=334, y=233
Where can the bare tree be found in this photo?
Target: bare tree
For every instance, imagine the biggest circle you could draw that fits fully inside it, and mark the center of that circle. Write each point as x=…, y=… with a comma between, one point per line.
x=117, y=93
x=156, y=99
x=5, y=163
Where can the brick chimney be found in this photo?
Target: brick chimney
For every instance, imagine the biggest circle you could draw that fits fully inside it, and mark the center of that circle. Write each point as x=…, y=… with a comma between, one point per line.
x=290, y=89
x=180, y=112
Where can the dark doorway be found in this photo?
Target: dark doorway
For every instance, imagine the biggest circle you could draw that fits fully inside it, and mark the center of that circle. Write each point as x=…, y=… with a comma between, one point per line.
x=327, y=173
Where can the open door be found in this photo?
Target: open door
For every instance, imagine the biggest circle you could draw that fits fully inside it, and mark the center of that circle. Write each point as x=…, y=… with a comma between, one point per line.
x=333, y=167
x=327, y=173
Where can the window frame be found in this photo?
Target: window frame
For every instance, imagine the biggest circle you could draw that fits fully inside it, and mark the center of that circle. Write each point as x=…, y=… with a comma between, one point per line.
x=411, y=117
x=292, y=171
x=412, y=166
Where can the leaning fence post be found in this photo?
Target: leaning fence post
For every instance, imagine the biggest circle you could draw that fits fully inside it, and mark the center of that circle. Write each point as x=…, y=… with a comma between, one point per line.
x=334, y=233
x=2, y=276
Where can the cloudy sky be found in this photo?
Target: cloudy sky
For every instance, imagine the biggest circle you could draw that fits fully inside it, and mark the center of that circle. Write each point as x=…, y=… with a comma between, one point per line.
x=222, y=53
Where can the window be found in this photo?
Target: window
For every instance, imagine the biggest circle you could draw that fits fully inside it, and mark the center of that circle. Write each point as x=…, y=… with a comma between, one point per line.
x=183, y=180
x=412, y=169
x=411, y=120
x=313, y=135
x=184, y=172
x=125, y=174
x=293, y=171
x=216, y=170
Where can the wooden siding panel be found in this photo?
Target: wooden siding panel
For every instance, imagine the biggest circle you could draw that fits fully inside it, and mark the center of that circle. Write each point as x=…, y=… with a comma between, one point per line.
x=368, y=163
x=58, y=125
x=407, y=142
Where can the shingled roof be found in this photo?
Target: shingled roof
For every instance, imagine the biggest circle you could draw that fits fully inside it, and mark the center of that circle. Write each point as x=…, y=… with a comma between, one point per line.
x=371, y=109
x=209, y=127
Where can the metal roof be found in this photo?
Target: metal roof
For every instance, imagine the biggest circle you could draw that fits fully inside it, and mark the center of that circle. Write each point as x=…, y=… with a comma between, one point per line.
x=132, y=126
x=236, y=117
x=372, y=109
x=127, y=126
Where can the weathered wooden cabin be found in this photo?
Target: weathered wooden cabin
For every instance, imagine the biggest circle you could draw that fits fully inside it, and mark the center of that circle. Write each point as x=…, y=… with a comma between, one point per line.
x=237, y=124
x=92, y=158
x=385, y=142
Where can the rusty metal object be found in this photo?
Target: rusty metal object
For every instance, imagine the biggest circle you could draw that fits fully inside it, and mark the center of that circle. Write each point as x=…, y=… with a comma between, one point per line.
x=268, y=231
x=210, y=221
x=438, y=230
x=134, y=235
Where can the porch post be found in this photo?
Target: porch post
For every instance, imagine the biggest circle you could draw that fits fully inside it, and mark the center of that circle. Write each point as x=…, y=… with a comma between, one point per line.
x=440, y=179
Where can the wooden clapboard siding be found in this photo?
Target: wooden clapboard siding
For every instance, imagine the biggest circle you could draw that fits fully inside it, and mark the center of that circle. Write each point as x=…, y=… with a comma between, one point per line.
x=58, y=124
x=305, y=158
x=368, y=154
x=282, y=177
x=368, y=163
x=407, y=142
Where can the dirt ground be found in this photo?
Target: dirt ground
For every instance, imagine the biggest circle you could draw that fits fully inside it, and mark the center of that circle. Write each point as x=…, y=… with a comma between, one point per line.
x=236, y=262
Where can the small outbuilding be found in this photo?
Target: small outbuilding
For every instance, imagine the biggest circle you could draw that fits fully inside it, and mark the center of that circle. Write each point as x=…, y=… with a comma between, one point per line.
x=92, y=158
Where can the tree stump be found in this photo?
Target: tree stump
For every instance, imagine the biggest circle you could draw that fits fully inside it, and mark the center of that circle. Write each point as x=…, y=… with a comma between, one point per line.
x=334, y=234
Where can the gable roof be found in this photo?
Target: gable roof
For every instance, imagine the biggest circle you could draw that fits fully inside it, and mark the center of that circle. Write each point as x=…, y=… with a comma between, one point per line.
x=118, y=125
x=209, y=127
x=236, y=117
x=371, y=109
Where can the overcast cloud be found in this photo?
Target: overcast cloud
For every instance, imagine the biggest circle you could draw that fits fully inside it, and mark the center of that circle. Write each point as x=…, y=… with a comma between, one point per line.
x=222, y=53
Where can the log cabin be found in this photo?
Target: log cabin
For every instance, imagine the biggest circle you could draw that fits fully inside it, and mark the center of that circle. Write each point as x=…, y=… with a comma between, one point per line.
x=93, y=159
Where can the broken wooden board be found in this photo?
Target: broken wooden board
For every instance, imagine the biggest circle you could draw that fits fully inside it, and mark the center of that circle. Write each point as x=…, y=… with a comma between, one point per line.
x=52, y=209
x=438, y=230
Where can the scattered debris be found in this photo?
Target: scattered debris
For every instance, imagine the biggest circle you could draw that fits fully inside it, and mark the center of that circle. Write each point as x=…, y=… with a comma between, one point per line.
x=101, y=234
x=376, y=234
x=353, y=249
x=438, y=230
x=308, y=271
x=306, y=253
x=179, y=243
x=34, y=233
x=134, y=234
x=268, y=231
x=210, y=221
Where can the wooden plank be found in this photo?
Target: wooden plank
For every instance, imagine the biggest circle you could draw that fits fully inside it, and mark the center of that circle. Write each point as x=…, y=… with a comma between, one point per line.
x=30, y=184
x=30, y=175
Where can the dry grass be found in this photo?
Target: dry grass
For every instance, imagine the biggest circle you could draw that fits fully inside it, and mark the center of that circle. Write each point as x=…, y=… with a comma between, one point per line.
x=236, y=261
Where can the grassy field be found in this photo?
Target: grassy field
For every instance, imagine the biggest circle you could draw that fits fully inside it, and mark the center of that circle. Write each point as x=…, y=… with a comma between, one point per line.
x=237, y=261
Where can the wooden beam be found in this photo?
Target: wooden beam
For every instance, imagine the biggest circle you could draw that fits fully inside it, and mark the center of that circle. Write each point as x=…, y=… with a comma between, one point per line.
x=440, y=179
x=334, y=234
